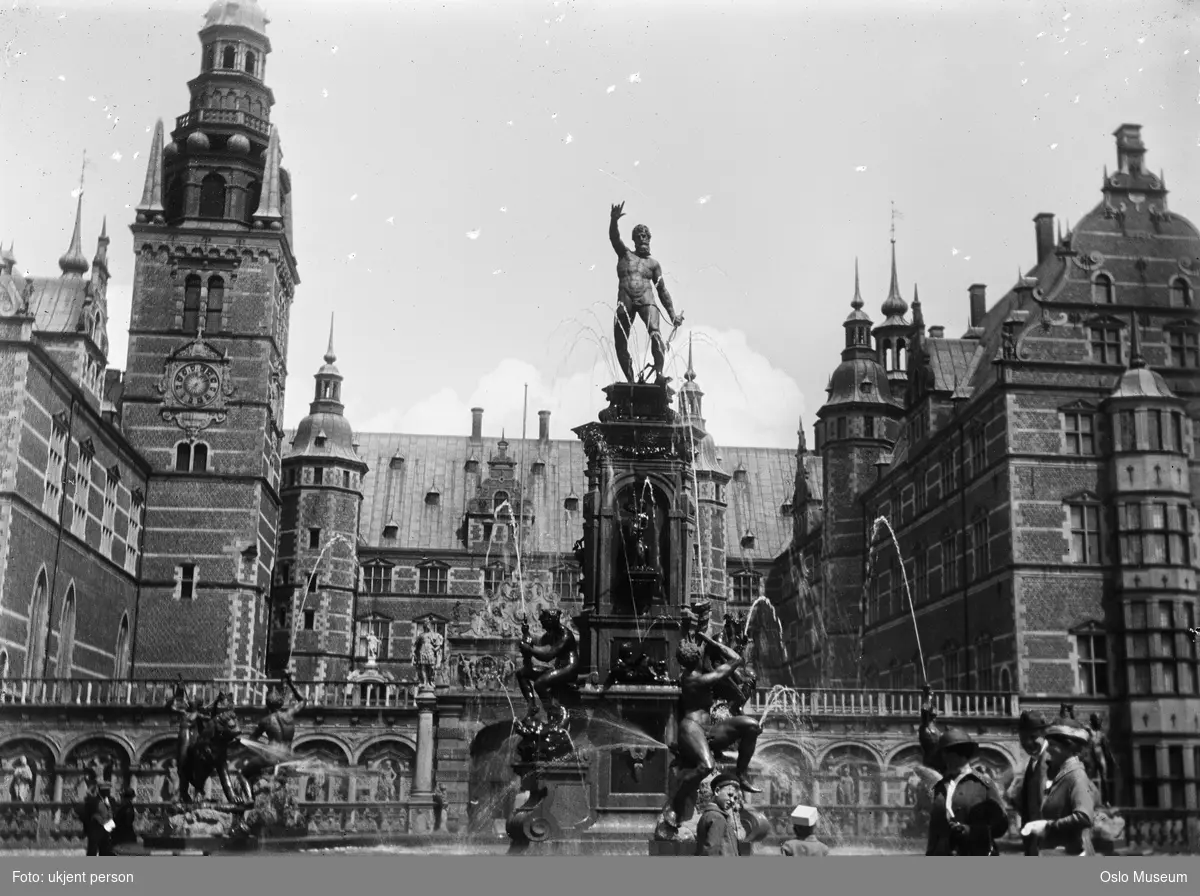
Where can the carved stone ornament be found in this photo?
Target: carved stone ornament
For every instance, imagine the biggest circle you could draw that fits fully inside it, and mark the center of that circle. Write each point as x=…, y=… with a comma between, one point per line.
x=195, y=387
x=1089, y=261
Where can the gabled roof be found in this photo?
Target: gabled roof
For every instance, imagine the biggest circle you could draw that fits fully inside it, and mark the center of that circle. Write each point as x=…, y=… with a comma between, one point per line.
x=403, y=469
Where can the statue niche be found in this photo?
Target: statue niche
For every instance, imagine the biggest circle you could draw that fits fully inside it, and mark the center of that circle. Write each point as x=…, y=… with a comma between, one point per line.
x=643, y=549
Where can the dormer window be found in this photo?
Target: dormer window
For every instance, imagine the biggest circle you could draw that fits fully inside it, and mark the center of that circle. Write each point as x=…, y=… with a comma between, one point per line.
x=748, y=541
x=433, y=497
x=390, y=531
x=866, y=387
x=319, y=439
x=739, y=475
x=1181, y=293
x=471, y=466
x=785, y=509
x=1103, y=292
x=539, y=467
x=571, y=503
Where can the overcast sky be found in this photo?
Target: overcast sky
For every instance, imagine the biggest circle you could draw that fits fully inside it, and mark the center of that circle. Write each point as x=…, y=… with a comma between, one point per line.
x=453, y=165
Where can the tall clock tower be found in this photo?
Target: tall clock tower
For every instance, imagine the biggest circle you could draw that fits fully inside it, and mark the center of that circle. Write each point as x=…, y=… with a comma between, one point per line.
x=203, y=397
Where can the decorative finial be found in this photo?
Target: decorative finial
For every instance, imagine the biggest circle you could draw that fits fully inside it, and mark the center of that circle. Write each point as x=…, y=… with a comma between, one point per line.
x=104, y=229
x=73, y=262
x=857, y=302
x=690, y=376
x=330, y=357
x=1136, y=361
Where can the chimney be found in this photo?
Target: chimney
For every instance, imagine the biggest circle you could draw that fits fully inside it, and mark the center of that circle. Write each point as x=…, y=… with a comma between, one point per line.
x=543, y=426
x=978, y=293
x=1043, y=228
x=476, y=424
x=1130, y=149
x=938, y=332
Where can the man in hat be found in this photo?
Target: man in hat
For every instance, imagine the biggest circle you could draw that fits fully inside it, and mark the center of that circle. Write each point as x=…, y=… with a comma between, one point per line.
x=804, y=822
x=1031, y=731
x=968, y=812
x=715, y=833
x=98, y=818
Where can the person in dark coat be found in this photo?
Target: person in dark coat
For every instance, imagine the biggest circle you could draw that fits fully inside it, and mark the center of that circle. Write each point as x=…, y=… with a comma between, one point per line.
x=124, y=836
x=98, y=823
x=968, y=811
x=804, y=822
x=715, y=834
x=1069, y=807
x=1032, y=732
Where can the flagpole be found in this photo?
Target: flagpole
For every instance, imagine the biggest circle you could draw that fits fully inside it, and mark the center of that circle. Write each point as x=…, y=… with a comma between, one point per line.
x=521, y=502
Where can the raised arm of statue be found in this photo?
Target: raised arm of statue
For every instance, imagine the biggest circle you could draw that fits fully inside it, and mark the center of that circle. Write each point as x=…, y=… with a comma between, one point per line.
x=614, y=231
x=730, y=654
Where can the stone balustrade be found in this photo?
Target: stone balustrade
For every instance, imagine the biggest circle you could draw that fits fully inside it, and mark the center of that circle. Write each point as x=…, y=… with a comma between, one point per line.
x=224, y=116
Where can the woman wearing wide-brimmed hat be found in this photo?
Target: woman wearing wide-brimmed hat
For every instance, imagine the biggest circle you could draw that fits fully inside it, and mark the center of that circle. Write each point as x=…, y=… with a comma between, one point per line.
x=968, y=811
x=1069, y=807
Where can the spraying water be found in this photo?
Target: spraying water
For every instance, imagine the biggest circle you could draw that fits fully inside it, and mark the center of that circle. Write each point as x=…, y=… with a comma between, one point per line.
x=881, y=522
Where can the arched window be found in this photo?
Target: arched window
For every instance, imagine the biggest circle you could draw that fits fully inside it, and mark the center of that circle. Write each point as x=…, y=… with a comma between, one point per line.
x=1181, y=293
x=199, y=458
x=66, y=637
x=121, y=654
x=216, y=304
x=35, y=638
x=174, y=199
x=253, y=197
x=212, y=196
x=499, y=500
x=183, y=457
x=251, y=60
x=229, y=58
x=901, y=355
x=191, y=303
x=1103, y=292
x=210, y=57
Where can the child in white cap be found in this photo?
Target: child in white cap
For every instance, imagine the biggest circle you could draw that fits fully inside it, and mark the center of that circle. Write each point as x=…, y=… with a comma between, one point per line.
x=804, y=821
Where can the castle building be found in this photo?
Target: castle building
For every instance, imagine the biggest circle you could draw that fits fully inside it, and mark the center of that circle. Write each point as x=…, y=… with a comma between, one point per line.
x=1041, y=476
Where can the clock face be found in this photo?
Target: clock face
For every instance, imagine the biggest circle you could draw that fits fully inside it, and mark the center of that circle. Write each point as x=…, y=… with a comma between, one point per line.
x=196, y=385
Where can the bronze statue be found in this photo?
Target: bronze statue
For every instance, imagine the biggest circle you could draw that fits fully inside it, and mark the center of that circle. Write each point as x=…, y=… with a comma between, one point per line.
x=699, y=737
x=1099, y=760
x=929, y=735
x=277, y=727
x=635, y=667
x=638, y=275
x=205, y=735
x=548, y=684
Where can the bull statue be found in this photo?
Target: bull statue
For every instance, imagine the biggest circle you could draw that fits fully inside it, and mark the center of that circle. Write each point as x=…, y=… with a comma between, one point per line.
x=206, y=732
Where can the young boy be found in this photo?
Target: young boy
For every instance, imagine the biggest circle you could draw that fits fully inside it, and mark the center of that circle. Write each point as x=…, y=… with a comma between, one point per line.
x=804, y=821
x=715, y=835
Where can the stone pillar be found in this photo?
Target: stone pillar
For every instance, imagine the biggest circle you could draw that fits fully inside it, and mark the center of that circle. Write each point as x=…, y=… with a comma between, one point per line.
x=420, y=801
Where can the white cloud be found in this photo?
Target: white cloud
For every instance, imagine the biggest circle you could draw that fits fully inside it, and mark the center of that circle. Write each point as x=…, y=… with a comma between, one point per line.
x=747, y=400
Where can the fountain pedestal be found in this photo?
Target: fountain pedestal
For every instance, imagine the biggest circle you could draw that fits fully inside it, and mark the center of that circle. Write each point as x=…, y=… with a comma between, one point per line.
x=557, y=811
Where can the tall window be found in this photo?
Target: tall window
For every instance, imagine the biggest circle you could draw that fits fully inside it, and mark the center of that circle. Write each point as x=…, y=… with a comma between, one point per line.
x=377, y=578
x=381, y=628
x=1176, y=443
x=952, y=665
x=980, y=554
x=1106, y=345
x=83, y=489
x=210, y=57
x=133, y=536
x=1129, y=522
x=251, y=60
x=229, y=58
x=921, y=574
x=1176, y=781
x=978, y=449
x=433, y=578
x=55, y=463
x=191, y=458
x=1085, y=532
x=1165, y=534
x=949, y=562
x=1185, y=348
x=949, y=474
x=187, y=581
x=983, y=666
x=212, y=196
x=1148, y=779
x=921, y=492
x=494, y=575
x=174, y=199
x=1081, y=433
x=110, y=515
x=1181, y=297
x=35, y=637
x=1102, y=290
x=841, y=427
x=1155, y=430
x=566, y=582
x=121, y=653
x=1092, y=652
x=1127, y=431
x=66, y=637
x=191, y=304
x=216, y=305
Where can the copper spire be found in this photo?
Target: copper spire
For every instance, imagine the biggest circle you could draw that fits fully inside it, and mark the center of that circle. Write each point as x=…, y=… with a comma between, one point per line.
x=151, y=203
x=330, y=357
x=73, y=262
x=857, y=302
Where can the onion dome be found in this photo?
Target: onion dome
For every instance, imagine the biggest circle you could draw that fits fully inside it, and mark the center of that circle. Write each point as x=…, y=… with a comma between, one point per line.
x=72, y=261
x=237, y=13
